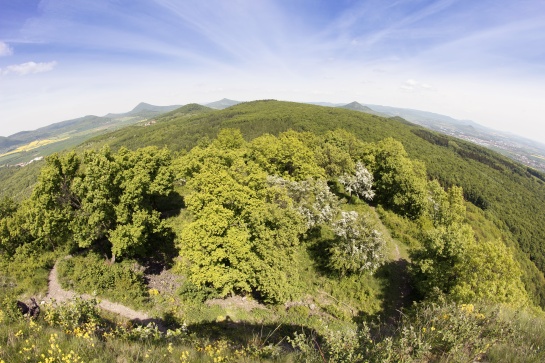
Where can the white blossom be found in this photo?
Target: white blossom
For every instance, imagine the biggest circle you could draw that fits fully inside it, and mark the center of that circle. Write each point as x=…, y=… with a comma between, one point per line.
x=360, y=183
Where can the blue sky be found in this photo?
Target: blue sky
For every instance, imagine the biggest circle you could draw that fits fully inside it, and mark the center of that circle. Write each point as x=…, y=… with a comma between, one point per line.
x=479, y=60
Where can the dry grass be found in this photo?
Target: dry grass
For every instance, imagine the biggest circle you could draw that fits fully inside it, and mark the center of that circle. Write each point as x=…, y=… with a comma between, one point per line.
x=33, y=145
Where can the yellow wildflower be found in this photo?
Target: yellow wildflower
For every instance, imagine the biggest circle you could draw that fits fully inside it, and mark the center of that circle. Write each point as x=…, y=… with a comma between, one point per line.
x=467, y=308
x=184, y=357
x=153, y=292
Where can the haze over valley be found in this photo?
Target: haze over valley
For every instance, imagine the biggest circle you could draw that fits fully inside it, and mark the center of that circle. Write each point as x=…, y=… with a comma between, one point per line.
x=25, y=147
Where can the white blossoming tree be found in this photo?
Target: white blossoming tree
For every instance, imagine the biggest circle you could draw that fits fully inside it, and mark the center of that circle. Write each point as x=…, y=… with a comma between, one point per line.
x=358, y=247
x=360, y=183
x=312, y=199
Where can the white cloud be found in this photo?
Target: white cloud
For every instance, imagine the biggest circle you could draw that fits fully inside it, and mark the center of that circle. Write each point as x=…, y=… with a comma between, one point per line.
x=411, y=85
x=29, y=68
x=5, y=49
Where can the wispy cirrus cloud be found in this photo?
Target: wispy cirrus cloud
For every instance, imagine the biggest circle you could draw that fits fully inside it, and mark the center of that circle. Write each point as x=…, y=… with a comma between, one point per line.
x=432, y=55
x=24, y=69
x=5, y=50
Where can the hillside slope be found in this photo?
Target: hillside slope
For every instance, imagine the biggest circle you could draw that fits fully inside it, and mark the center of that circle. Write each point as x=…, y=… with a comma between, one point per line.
x=528, y=152
x=508, y=192
x=27, y=145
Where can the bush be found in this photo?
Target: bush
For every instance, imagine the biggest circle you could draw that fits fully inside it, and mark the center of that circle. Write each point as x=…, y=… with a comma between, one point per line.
x=93, y=275
x=439, y=333
x=190, y=292
x=9, y=312
x=29, y=268
x=358, y=247
x=74, y=314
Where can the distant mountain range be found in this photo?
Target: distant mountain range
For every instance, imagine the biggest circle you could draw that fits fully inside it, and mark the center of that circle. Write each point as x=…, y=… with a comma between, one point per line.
x=355, y=106
x=222, y=104
x=141, y=111
x=24, y=146
x=526, y=151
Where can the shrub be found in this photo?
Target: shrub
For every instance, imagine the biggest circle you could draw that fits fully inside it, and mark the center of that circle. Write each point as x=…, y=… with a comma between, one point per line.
x=439, y=332
x=94, y=275
x=358, y=247
x=29, y=268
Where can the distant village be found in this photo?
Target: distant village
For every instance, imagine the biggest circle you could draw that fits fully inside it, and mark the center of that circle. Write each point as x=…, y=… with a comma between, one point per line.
x=38, y=158
x=507, y=148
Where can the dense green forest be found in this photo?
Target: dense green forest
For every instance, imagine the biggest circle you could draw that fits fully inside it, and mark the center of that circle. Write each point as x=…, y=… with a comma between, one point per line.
x=341, y=236
x=510, y=194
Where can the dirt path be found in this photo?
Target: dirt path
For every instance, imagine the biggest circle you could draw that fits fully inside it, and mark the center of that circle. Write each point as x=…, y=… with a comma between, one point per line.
x=397, y=254
x=57, y=293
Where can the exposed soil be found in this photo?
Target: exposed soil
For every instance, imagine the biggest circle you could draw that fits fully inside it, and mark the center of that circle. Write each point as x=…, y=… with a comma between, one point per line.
x=238, y=302
x=165, y=281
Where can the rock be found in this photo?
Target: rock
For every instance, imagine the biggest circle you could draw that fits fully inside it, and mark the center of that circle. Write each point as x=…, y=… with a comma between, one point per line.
x=23, y=308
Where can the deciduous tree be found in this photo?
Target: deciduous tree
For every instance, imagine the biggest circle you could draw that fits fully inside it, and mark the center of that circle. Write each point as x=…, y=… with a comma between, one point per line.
x=358, y=247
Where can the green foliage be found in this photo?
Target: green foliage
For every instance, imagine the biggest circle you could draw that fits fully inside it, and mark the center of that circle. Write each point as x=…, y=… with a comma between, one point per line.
x=285, y=156
x=189, y=292
x=7, y=207
x=28, y=268
x=401, y=183
x=105, y=199
x=439, y=333
x=358, y=247
x=447, y=208
x=253, y=196
x=489, y=273
x=9, y=311
x=120, y=282
x=118, y=195
x=401, y=228
x=443, y=250
x=453, y=262
x=96, y=191
x=244, y=233
x=509, y=193
x=74, y=314
x=12, y=231
x=336, y=151
x=17, y=183
x=50, y=208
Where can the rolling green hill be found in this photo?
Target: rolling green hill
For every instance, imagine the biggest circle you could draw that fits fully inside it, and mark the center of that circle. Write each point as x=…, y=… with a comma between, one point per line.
x=278, y=231
x=27, y=145
x=506, y=191
x=526, y=151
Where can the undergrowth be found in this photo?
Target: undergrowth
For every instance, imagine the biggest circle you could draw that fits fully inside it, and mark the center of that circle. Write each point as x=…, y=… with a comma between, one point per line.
x=122, y=282
x=443, y=332
x=27, y=270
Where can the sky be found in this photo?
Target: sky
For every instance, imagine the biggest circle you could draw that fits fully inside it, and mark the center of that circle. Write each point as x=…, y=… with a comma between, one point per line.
x=472, y=60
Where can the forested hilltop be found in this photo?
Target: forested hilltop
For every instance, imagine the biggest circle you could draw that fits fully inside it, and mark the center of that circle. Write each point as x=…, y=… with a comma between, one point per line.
x=510, y=194
x=279, y=231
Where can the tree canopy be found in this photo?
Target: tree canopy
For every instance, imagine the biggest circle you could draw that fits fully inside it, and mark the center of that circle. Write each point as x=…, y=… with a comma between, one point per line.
x=101, y=199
